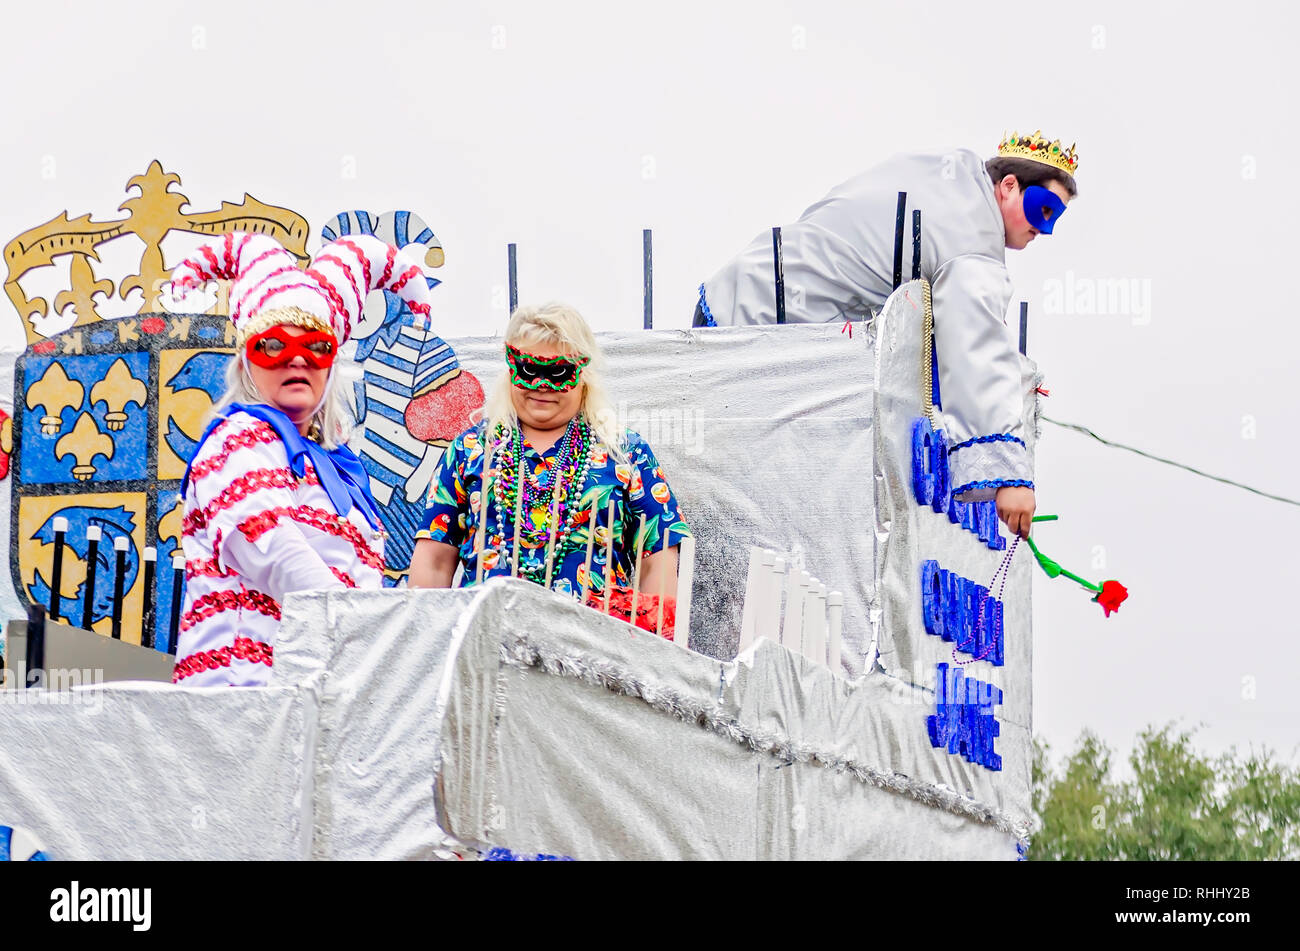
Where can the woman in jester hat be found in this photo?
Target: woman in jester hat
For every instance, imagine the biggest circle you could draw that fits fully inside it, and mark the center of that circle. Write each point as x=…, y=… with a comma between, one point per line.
x=591, y=497
x=274, y=501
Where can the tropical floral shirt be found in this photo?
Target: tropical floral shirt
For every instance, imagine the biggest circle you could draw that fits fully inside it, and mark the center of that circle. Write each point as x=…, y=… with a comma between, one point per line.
x=637, y=487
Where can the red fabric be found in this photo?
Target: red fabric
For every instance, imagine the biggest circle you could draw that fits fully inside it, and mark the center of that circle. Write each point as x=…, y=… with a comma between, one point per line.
x=647, y=609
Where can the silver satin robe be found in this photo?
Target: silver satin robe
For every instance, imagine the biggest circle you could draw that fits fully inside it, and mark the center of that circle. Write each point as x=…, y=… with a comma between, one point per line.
x=838, y=262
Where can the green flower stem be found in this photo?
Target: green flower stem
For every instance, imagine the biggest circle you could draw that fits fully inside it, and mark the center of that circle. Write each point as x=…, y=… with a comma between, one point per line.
x=1087, y=584
x=1053, y=569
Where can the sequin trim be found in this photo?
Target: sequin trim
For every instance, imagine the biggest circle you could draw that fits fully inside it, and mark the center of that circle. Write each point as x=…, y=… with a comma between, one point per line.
x=258, y=525
x=255, y=652
x=242, y=488
x=992, y=483
x=214, y=266
x=269, y=253
x=347, y=272
x=996, y=437
x=260, y=433
x=218, y=602
x=263, y=317
x=704, y=309
x=337, y=307
x=206, y=568
x=406, y=276
x=361, y=257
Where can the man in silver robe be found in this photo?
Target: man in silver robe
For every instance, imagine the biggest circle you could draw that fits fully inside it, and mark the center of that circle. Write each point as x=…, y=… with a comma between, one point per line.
x=838, y=264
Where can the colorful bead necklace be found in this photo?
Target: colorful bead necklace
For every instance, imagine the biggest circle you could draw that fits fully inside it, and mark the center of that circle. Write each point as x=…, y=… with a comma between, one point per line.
x=563, y=483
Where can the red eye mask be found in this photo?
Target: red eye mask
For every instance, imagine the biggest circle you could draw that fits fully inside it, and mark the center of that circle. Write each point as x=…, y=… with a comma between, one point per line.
x=274, y=348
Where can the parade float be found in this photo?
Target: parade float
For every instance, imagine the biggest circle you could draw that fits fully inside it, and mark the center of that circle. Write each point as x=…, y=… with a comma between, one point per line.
x=846, y=679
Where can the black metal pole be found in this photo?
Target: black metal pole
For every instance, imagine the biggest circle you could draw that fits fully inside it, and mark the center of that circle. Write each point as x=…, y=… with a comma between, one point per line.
x=899, y=220
x=146, y=618
x=512, y=263
x=119, y=580
x=916, y=244
x=1024, y=326
x=35, y=644
x=779, y=270
x=56, y=579
x=92, y=565
x=178, y=592
x=647, y=265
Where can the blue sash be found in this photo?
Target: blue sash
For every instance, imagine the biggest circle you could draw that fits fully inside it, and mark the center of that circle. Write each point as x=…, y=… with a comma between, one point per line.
x=341, y=473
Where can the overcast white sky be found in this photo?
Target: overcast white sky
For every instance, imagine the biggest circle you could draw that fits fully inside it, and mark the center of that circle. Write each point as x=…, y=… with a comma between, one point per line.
x=569, y=127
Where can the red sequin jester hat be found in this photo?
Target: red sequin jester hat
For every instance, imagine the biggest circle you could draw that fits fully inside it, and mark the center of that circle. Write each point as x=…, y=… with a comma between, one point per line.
x=328, y=295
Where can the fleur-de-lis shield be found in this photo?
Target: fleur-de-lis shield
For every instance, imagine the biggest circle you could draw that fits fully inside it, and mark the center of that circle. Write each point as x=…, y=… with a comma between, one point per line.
x=105, y=424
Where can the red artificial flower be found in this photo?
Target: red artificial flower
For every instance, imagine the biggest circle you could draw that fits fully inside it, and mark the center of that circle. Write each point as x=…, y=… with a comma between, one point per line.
x=1112, y=595
x=647, y=609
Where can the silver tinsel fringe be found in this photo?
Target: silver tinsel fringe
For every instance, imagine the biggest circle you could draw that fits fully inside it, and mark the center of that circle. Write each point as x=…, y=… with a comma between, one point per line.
x=522, y=653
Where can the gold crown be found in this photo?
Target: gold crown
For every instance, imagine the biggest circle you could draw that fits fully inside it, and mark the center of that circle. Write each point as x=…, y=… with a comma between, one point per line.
x=150, y=216
x=1038, y=149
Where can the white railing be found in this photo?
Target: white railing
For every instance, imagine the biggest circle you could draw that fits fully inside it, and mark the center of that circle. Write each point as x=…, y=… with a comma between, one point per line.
x=786, y=604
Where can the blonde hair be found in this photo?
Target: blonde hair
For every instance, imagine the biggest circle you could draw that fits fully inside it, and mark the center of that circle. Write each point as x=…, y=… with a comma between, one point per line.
x=333, y=417
x=563, y=328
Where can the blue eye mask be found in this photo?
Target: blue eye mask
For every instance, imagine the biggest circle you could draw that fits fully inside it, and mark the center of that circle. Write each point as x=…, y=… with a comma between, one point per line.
x=1042, y=207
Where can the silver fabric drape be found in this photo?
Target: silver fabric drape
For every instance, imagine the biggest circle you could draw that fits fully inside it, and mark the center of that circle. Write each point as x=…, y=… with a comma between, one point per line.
x=765, y=434
x=428, y=724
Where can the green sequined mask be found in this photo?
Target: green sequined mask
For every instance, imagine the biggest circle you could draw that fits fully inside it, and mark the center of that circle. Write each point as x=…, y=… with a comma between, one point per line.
x=550, y=373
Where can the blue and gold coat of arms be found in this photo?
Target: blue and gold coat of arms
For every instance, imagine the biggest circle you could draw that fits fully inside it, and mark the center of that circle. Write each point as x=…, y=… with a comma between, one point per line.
x=104, y=422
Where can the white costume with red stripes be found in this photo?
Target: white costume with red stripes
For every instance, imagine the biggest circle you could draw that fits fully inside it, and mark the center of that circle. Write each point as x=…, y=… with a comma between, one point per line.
x=252, y=533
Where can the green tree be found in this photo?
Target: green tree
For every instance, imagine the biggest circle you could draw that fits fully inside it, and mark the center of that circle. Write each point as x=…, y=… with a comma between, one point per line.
x=1178, y=805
